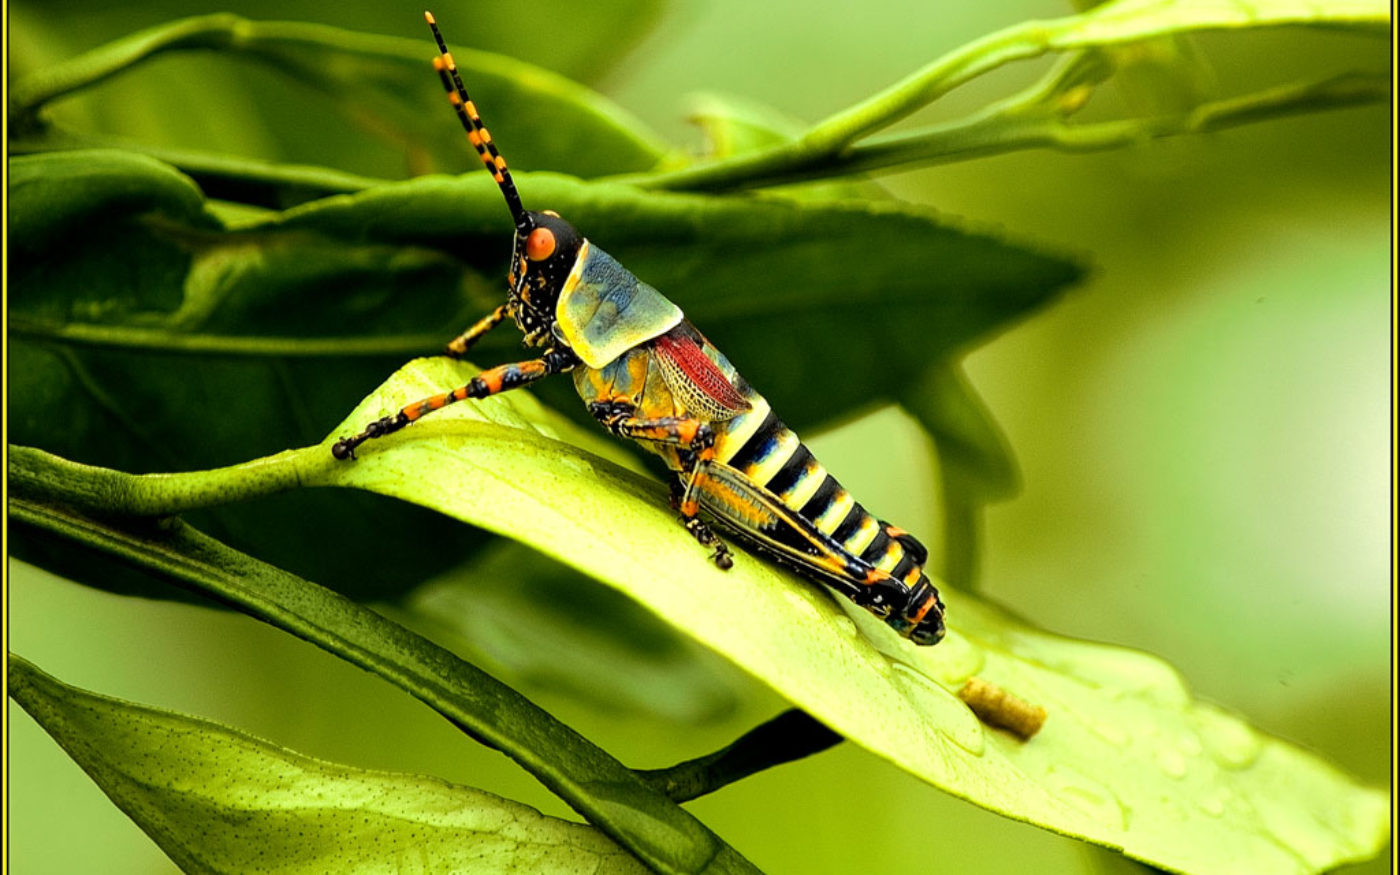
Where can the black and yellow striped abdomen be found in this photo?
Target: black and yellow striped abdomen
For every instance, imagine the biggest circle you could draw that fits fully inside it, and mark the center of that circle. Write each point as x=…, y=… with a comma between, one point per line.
x=758, y=445
x=764, y=484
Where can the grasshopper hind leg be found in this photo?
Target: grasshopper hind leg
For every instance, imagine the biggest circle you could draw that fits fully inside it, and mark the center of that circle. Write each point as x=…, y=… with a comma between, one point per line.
x=695, y=444
x=697, y=527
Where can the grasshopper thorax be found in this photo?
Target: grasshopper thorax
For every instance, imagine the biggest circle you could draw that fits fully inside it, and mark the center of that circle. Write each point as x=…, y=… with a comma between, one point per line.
x=546, y=249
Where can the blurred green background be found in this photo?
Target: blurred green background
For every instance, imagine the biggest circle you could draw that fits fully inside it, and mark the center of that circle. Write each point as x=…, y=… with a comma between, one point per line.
x=1202, y=426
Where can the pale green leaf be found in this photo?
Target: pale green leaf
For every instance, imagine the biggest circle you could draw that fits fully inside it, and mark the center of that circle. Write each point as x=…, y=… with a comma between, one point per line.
x=1127, y=758
x=220, y=801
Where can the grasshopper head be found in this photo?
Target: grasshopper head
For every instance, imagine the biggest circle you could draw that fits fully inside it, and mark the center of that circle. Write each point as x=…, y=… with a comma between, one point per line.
x=546, y=248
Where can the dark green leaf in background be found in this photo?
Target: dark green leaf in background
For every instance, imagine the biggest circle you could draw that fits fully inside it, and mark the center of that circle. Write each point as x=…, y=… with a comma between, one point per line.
x=363, y=90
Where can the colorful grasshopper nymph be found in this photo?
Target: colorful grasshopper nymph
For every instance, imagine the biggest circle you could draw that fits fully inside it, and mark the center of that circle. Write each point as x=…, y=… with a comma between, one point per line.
x=648, y=375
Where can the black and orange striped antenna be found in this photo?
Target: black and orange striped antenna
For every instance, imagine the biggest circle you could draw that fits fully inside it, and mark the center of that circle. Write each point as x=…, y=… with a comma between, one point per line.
x=477, y=135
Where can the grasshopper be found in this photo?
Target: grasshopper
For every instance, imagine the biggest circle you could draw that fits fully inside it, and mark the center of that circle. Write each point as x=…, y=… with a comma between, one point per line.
x=647, y=374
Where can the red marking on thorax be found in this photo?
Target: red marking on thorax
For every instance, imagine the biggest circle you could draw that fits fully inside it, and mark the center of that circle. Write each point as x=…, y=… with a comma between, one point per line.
x=686, y=355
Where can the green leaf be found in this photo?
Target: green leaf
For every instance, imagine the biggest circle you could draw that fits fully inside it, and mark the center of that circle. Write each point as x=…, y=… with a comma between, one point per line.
x=53, y=197
x=1127, y=758
x=220, y=801
x=384, y=85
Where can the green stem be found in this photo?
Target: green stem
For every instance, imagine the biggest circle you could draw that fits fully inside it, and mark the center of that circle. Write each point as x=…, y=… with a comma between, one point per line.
x=996, y=135
x=790, y=736
x=37, y=475
x=609, y=795
x=1009, y=128
x=970, y=60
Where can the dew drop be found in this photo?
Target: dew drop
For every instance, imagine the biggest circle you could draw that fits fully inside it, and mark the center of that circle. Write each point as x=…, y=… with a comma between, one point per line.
x=1189, y=744
x=953, y=661
x=573, y=463
x=1171, y=761
x=1089, y=796
x=1108, y=731
x=1214, y=804
x=1229, y=740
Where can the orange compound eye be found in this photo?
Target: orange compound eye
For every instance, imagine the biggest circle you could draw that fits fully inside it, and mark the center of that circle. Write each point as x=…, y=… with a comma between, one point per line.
x=540, y=244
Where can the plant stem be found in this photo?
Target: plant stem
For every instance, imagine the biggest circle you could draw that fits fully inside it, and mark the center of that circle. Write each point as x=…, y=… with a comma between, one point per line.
x=790, y=736
x=1010, y=129
x=37, y=475
x=988, y=136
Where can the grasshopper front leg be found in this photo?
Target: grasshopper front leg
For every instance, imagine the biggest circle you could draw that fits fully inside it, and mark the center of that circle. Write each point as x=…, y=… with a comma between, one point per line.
x=483, y=385
x=463, y=342
x=696, y=443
